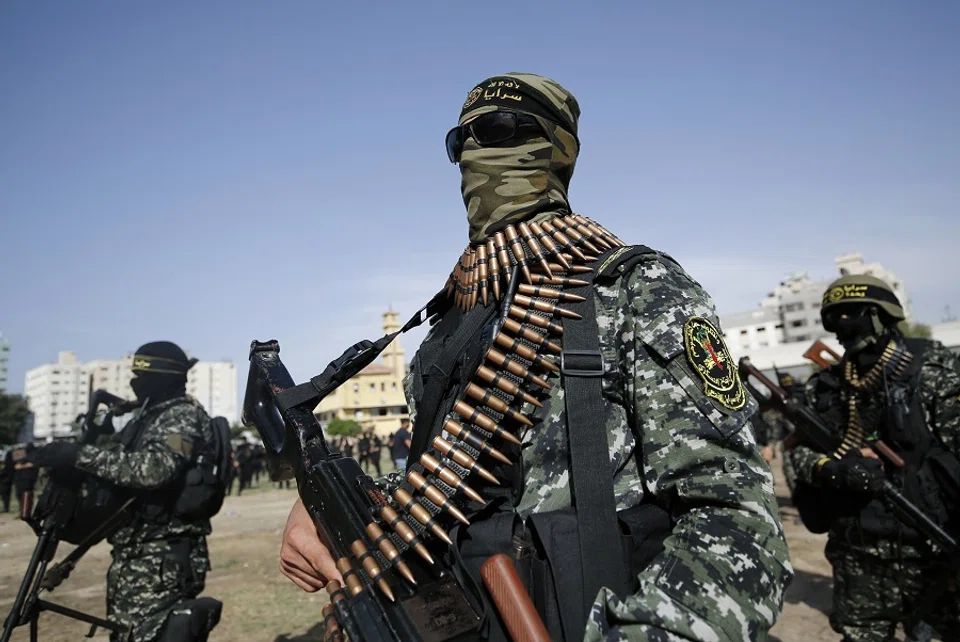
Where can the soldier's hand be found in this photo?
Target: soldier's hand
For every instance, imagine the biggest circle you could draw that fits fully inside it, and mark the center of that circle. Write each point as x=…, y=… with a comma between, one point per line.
x=59, y=454
x=768, y=453
x=852, y=473
x=303, y=557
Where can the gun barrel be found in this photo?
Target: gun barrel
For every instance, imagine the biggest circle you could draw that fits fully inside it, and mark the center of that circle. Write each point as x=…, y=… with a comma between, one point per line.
x=918, y=519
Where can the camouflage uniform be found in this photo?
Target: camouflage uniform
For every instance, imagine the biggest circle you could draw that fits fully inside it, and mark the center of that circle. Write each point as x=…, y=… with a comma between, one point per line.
x=880, y=582
x=157, y=563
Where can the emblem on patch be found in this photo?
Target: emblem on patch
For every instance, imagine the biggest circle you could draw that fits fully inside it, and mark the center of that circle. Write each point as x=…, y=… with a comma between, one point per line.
x=709, y=358
x=472, y=97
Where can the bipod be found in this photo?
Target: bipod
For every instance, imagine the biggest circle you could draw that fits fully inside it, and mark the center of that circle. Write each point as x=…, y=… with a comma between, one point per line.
x=28, y=606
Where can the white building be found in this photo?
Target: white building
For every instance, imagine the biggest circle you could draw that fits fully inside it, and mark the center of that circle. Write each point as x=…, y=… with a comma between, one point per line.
x=4, y=362
x=751, y=330
x=56, y=394
x=212, y=383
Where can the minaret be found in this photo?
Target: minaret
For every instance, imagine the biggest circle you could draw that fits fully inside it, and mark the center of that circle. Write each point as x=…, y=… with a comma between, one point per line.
x=393, y=355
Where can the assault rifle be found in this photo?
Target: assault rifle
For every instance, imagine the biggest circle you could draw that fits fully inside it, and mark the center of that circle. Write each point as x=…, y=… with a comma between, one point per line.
x=51, y=521
x=812, y=429
x=395, y=591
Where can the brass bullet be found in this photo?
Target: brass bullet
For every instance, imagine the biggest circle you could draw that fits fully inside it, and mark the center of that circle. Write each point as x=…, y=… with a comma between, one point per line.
x=435, y=495
x=482, y=271
x=382, y=542
x=474, y=275
x=350, y=578
x=544, y=306
x=330, y=620
x=494, y=378
x=494, y=269
x=563, y=241
x=369, y=564
x=565, y=226
x=457, y=276
x=490, y=400
x=474, y=416
x=516, y=247
x=550, y=246
x=336, y=592
x=610, y=236
x=535, y=249
x=421, y=514
x=500, y=242
x=514, y=345
x=457, y=430
x=406, y=532
x=534, y=337
x=450, y=478
x=503, y=361
x=447, y=449
x=591, y=231
x=527, y=315
x=549, y=293
x=539, y=279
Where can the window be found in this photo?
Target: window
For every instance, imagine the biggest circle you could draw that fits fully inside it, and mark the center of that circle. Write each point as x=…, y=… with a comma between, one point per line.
x=798, y=323
x=744, y=333
x=792, y=307
x=762, y=329
x=383, y=386
x=373, y=387
x=393, y=386
x=356, y=387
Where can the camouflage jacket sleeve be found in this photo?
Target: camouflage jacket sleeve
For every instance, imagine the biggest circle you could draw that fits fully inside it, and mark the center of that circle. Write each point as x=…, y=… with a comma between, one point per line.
x=724, y=568
x=940, y=391
x=165, y=447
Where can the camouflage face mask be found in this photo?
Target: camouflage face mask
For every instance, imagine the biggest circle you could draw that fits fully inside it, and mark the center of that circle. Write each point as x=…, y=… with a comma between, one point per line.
x=524, y=179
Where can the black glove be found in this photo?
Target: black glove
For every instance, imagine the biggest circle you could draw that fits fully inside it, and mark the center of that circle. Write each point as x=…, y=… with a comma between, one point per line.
x=852, y=473
x=59, y=454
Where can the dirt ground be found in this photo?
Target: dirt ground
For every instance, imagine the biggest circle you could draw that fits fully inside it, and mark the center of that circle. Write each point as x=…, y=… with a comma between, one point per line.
x=261, y=605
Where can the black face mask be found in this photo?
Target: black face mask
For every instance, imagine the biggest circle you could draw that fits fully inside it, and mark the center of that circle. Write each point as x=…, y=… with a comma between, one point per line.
x=158, y=387
x=858, y=329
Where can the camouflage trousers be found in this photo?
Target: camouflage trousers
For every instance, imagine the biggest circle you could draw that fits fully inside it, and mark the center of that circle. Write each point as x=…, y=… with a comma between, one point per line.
x=145, y=582
x=873, y=591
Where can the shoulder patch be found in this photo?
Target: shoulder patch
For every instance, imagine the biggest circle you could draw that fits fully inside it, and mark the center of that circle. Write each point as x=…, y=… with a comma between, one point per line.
x=626, y=256
x=180, y=444
x=711, y=361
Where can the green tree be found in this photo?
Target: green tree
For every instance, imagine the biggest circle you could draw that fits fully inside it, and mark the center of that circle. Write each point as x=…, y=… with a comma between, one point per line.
x=343, y=428
x=236, y=429
x=13, y=412
x=915, y=330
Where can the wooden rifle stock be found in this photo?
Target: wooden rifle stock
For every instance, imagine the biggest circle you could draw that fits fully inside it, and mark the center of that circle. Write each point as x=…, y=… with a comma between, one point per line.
x=512, y=601
x=816, y=353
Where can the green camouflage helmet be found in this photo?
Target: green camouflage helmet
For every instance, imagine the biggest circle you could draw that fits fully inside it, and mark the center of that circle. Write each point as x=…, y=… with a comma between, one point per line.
x=861, y=289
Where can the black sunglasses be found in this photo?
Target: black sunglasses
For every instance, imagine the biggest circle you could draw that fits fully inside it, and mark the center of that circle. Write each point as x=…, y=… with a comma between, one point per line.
x=487, y=129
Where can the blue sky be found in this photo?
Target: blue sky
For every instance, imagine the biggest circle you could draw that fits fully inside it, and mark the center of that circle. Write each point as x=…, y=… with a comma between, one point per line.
x=214, y=172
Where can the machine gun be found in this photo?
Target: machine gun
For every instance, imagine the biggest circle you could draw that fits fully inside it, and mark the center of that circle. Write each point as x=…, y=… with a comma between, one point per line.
x=52, y=519
x=390, y=594
x=395, y=590
x=812, y=429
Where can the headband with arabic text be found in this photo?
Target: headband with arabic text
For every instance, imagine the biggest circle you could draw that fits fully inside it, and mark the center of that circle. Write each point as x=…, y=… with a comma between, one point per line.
x=149, y=363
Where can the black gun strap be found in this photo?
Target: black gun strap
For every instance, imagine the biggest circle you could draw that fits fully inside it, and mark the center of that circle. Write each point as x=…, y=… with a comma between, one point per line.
x=335, y=375
x=582, y=368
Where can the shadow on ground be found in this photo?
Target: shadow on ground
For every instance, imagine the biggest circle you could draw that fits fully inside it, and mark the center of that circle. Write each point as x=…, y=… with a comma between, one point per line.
x=816, y=591
x=313, y=634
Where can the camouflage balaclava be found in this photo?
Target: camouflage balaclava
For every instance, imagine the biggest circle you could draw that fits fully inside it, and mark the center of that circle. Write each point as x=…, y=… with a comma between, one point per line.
x=528, y=180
